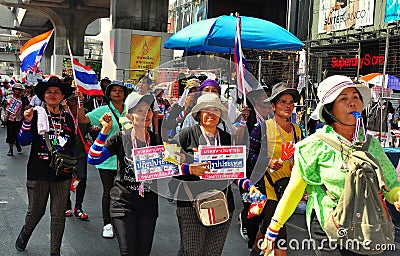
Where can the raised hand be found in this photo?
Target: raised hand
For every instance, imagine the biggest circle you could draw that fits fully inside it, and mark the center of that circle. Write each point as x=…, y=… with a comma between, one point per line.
x=28, y=114
x=107, y=122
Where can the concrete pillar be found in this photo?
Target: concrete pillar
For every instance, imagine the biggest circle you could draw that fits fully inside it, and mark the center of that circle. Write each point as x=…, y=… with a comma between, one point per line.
x=70, y=24
x=148, y=15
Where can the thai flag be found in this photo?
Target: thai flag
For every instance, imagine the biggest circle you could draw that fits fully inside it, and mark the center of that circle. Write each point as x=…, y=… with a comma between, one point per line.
x=243, y=79
x=13, y=81
x=86, y=79
x=32, y=51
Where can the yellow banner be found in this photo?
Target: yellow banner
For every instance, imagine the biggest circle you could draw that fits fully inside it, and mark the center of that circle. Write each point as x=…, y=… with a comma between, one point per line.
x=145, y=54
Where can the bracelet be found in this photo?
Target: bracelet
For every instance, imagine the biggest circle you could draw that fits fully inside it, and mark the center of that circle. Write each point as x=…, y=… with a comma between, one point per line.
x=271, y=234
x=242, y=122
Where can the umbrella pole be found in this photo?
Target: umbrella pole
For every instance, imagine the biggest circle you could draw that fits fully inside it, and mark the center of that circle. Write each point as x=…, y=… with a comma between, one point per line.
x=381, y=100
x=259, y=69
x=358, y=61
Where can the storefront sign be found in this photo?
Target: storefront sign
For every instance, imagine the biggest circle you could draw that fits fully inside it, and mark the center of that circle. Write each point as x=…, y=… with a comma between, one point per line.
x=365, y=61
x=335, y=15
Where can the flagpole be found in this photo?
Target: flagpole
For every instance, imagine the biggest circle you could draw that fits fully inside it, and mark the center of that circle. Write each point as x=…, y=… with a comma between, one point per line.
x=73, y=70
x=240, y=64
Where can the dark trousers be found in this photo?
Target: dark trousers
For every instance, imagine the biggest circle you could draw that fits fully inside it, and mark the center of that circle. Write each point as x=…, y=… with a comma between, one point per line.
x=107, y=179
x=197, y=239
x=252, y=224
x=38, y=194
x=134, y=233
x=81, y=174
x=320, y=238
x=13, y=128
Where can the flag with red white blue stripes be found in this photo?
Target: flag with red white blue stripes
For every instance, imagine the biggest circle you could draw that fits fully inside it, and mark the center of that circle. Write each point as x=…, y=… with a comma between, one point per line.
x=244, y=84
x=31, y=52
x=86, y=79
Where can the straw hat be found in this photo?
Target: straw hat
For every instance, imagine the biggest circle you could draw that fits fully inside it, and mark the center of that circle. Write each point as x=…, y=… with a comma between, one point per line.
x=330, y=88
x=209, y=100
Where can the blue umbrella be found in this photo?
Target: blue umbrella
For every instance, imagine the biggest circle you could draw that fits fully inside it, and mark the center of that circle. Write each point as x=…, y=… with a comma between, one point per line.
x=218, y=35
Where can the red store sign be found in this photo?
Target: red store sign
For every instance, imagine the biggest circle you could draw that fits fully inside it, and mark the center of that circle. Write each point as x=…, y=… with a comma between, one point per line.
x=366, y=60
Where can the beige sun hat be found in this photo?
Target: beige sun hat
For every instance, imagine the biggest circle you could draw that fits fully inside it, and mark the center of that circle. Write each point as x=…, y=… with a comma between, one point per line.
x=330, y=88
x=210, y=100
x=283, y=88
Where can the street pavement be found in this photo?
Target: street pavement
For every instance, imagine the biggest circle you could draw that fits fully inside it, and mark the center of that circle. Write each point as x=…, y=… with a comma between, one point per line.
x=84, y=237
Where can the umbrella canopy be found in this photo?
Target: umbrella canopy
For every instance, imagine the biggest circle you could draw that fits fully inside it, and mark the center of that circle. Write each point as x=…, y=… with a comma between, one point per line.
x=218, y=35
x=391, y=82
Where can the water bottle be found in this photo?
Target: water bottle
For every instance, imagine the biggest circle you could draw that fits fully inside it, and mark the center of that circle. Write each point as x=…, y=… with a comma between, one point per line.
x=178, y=129
x=195, y=155
x=255, y=198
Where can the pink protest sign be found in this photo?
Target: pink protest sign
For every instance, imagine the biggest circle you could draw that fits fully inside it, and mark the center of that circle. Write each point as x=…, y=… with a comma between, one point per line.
x=227, y=162
x=149, y=164
x=13, y=106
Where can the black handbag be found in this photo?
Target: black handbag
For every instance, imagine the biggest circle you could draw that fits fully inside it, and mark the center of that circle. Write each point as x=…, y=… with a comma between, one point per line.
x=62, y=163
x=279, y=185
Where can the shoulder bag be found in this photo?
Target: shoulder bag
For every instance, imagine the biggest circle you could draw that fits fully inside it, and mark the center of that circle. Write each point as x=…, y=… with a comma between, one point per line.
x=62, y=163
x=211, y=206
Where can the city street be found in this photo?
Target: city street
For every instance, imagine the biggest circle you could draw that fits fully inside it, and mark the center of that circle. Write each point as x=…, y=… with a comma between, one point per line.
x=84, y=238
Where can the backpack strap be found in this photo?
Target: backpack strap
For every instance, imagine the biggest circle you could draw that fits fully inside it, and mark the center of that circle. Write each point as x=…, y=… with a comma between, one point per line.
x=268, y=176
x=342, y=148
x=115, y=115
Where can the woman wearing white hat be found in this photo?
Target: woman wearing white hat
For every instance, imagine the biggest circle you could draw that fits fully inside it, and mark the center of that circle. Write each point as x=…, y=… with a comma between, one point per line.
x=134, y=205
x=317, y=163
x=197, y=239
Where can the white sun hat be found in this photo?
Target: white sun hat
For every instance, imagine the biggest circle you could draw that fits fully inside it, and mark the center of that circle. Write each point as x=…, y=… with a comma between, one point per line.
x=330, y=88
x=210, y=100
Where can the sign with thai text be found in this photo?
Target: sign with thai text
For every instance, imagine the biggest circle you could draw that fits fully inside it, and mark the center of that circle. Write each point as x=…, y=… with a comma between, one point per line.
x=227, y=162
x=145, y=54
x=149, y=164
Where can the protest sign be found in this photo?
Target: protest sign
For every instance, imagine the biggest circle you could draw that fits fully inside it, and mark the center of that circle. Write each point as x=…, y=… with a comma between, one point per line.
x=149, y=164
x=227, y=162
x=13, y=106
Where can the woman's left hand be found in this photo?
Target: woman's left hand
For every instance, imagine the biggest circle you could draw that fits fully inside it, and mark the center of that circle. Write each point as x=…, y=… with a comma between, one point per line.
x=182, y=157
x=199, y=169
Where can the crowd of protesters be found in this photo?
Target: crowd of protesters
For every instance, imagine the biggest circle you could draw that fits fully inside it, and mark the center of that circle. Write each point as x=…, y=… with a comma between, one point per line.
x=103, y=130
